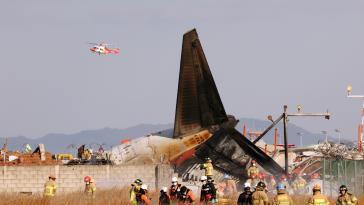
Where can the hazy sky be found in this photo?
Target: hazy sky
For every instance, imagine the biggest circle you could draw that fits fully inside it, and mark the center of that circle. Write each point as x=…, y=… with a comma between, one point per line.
x=263, y=54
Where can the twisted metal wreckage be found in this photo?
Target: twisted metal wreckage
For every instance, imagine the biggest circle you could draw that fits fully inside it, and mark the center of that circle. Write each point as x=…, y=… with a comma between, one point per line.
x=201, y=129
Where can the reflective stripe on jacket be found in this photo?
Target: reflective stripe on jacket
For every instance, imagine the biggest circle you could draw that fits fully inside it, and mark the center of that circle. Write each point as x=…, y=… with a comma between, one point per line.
x=318, y=199
x=282, y=199
x=259, y=197
x=208, y=168
x=90, y=188
x=346, y=199
x=50, y=188
x=252, y=171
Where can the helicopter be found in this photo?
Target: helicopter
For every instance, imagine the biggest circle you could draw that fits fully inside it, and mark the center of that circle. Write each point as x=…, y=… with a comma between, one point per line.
x=102, y=48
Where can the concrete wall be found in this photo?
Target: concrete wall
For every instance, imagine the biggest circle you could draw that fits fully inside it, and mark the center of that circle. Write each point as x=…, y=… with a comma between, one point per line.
x=70, y=178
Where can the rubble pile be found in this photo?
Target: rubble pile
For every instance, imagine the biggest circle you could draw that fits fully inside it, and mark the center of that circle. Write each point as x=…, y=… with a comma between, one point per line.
x=334, y=150
x=38, y=157
x=17, y=158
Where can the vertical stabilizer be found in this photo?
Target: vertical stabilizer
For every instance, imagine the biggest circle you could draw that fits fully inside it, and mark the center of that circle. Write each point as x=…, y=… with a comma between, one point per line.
x=198, y=101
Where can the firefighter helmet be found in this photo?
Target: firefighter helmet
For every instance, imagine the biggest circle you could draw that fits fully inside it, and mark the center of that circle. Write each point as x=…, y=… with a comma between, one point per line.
x=261, y=184
x=87, y=179
x=144, y=186
x=138, y=182
x=281, y=186
x=343, y=188
x=316, y=187
x=174, y=179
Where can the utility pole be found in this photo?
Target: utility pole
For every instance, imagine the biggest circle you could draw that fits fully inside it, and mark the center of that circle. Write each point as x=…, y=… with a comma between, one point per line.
x=325, y=133
x=300, y=135
x=285, y=121
x=338, y=131
x=301, y=114
x=349, y=89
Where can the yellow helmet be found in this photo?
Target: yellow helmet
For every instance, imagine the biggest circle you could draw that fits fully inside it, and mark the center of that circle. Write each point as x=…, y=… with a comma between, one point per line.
x=316, y=187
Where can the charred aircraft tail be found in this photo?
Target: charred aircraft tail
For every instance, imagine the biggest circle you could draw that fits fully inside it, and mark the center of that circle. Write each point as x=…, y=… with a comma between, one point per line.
x=198, y=101
x=199, y=107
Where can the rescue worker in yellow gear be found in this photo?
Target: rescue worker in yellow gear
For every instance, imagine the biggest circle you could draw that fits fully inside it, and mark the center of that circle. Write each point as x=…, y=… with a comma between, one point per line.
x=318, y=198
x=271, y=183
x=90, y=186
x=230, y=185
x=299, y=185
x=282, y=197
x=253, y=169
x=135, y=191
x=208, y=167
x=50, y=187
x=346, y=198
x=253, y=173
x=259, y=196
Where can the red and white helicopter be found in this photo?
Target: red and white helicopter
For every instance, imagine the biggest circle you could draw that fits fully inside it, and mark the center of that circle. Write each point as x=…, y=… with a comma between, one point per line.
x=101, y=48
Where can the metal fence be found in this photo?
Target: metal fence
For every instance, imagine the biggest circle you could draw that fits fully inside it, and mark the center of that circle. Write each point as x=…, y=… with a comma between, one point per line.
x=336, y=172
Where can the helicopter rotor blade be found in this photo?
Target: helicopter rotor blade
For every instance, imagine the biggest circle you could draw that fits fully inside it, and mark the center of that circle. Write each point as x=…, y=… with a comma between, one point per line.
x=93, y=43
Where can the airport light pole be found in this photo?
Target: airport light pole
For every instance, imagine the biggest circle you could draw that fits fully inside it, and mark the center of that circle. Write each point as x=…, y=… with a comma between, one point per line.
x=299, y=113
x=349, y=89
x=300, y=135
x=284, y=117
x=339, y=133
x=325, y=133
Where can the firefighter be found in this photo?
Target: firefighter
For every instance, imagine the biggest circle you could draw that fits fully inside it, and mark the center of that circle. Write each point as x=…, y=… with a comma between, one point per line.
x=174, y=191
x=299, y=185
x=135, y=191
x=284, y=181
x=186, y=196
x=50, y=187
x=208, y=191
x=245, y=198
x=282, y=197
x=253, y=169
x=205, y=196
x=90, y=186
x=318, y=198
x=271, y=183
x=164, y=198
x=254, y=180
x=315, y=176
x=142, y=198
x=230, y=185
x=261, y=177
x=252, y=173
x=346, y=198
x=208, y=167
x=86, y=155
x=259, y=196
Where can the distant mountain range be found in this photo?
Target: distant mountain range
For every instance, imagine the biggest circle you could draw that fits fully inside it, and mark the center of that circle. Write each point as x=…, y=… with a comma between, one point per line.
x=61, y=143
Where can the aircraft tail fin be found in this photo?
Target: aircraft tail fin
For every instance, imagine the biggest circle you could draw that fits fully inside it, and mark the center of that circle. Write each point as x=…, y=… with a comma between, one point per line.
x=198, y=101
